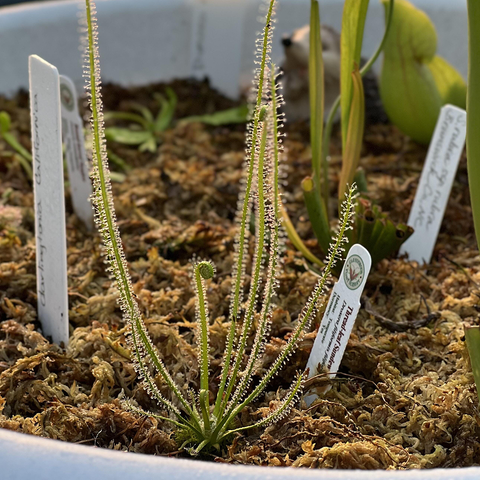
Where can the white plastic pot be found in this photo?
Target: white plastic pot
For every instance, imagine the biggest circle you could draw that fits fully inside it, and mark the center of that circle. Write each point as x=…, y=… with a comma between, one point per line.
x=145, y=41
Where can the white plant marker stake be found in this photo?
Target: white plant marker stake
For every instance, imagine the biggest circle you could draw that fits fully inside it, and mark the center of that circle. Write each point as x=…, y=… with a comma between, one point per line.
x=77, y=161
x=340, y=315
x=436, y=183
x=49, y=199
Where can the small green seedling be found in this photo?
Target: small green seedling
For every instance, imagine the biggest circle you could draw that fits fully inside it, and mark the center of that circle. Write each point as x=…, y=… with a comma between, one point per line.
x=22, y=155
x=146, y=129
x=415, y=82
x=201, y=423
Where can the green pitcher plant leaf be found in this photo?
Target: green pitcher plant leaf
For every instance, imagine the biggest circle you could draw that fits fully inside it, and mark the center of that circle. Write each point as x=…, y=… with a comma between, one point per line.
x=414, y=82
x=449, y=81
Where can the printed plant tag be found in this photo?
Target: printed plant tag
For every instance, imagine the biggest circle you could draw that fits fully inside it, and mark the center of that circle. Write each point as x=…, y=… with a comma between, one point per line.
x=50, y=232
x=77, y=162
x=340, y=315
x=436, y=183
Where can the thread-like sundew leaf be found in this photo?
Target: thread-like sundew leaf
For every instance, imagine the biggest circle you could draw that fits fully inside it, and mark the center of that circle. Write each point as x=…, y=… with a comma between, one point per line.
x=198, y=427
x=105, y=217
x=303, y=322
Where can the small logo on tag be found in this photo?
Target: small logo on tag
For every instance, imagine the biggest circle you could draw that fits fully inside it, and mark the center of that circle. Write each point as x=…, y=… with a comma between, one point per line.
x=66, y=96
x=354, y=272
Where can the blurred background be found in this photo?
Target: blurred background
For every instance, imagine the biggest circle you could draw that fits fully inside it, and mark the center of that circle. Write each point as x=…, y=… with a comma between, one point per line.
x=148, y=41
x=12, y=2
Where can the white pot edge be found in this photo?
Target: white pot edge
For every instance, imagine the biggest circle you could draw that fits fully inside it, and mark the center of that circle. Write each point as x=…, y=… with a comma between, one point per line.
x=26, y=457
x=182, y=38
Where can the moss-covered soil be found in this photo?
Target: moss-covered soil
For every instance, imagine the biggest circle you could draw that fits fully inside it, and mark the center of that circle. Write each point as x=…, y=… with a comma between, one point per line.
x=404, y=397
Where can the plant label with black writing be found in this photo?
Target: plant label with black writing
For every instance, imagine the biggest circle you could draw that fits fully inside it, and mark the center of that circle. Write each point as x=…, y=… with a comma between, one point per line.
x=436, y=183
x=77, y=161
x=340, y=315
x=50, y=231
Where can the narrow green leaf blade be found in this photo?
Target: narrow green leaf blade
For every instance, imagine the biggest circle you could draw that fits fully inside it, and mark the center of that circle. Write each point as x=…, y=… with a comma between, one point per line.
x=473, y=111
x=167, y=111
x=317, y=92
x=353, y=25
x=223, y=117
x=472, y=337
x=128, y=116
x=353, y=145
x=126, y=136
x=5, y=122
x=317, y=214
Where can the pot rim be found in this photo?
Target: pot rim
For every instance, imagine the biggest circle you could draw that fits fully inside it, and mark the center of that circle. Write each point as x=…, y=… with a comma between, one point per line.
x=230, y=24
x=85, y=462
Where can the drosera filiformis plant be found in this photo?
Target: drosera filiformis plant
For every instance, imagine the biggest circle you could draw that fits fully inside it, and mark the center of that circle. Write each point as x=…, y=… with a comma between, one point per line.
x=200, y=423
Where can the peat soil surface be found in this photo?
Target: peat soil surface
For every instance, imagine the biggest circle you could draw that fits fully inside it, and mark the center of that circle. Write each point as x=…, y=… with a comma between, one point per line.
x=404, y=397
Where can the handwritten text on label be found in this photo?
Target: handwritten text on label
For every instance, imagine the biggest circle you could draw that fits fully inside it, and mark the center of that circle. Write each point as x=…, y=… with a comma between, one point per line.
x=435, y=184
x=49, y=200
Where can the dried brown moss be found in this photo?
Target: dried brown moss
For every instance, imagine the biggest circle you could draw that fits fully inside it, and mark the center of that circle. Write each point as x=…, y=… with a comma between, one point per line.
x=404, y=397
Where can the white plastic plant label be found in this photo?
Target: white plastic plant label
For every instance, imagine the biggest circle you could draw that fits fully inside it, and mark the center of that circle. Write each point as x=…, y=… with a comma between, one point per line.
x=77, y=162
x=217, y=41
x=340, y=315
x=50, y=232
x=436, y=183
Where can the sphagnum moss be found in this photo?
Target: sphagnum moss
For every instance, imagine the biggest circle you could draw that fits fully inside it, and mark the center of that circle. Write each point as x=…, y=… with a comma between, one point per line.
x=414, y=355
x=201, y=425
